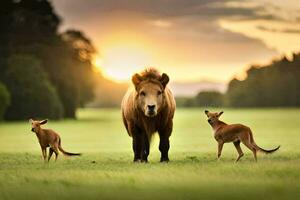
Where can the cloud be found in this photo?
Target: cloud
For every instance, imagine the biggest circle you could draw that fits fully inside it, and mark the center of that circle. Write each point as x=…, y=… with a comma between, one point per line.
x=188, y=30
x=170, y=9
x=274, y=30
x=161, y=23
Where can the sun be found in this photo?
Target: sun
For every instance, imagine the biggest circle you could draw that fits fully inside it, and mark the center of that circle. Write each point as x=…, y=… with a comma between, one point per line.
x=119, y=63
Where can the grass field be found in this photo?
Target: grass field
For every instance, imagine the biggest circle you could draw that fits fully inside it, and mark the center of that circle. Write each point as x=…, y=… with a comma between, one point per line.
x=105, y=170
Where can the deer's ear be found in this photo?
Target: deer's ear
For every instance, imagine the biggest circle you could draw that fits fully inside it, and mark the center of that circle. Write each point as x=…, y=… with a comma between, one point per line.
x=43, y=121
x=206, y=112
x=164, y=79
x=220, y=113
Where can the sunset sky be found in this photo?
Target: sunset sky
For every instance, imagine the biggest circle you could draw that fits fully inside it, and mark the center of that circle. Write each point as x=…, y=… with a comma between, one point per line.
x=191, y=40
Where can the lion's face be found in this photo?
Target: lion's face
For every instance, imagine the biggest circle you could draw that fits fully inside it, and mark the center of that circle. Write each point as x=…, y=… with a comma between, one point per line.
x=150, y=94
x=150, y=98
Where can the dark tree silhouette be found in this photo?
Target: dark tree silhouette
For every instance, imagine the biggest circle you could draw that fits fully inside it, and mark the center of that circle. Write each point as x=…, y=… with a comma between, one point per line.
x=274, y=85
x=32, y=95
x=209, y=99
x=30, y=27
x=4, y=100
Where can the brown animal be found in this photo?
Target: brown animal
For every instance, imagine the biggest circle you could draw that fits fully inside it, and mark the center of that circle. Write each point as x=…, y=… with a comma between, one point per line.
x=235, y=133
x=146, y=109
x=48, y=138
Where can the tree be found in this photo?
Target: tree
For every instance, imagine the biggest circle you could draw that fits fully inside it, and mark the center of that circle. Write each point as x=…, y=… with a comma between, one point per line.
x=209, y=99
x=30, y=27
x=32, y=95
x=277, y=84
x=185, y=101
x=68, y=63
x=4, y=100
x=82, y=54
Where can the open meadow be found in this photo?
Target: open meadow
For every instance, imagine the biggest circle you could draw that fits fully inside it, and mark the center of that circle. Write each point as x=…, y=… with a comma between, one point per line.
x=106, y=171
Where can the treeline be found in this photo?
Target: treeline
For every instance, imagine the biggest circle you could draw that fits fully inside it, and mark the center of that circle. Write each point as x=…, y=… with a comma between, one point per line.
x=274, y=85
x=43, y=73
x=108, y=93
x=202, y=99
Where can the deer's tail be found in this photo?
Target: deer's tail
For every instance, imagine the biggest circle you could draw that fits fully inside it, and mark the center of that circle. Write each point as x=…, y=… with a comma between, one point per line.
x=65, y=152
x=266, y=151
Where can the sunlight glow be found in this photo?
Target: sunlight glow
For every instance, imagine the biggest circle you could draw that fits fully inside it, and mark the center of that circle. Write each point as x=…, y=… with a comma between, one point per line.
x=121, y=62
x=97, y=62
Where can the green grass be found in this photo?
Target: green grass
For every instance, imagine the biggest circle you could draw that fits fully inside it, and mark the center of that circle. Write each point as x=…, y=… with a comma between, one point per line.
x=105, y=170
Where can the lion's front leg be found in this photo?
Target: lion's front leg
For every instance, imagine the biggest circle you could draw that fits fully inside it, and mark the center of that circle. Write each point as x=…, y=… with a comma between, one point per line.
x=164, y=143
x=164, y=146
x=145, y=148
x=136, y=141
x=137, y=147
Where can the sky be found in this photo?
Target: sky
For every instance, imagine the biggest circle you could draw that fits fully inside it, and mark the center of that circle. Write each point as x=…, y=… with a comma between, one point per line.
x=190, y=40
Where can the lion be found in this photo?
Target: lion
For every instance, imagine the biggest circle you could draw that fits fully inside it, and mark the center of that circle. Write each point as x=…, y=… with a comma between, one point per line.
x=147, y=108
